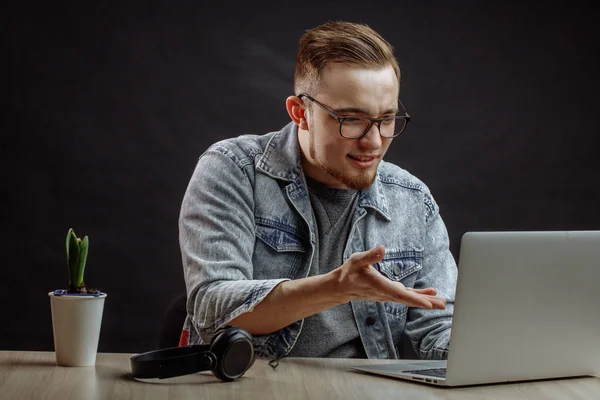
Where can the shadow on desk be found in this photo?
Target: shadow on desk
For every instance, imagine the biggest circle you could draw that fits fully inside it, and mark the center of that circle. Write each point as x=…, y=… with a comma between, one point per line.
x=201, y=378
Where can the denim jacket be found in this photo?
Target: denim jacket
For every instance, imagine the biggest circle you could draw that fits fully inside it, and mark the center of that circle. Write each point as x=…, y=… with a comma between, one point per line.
x=246, y=225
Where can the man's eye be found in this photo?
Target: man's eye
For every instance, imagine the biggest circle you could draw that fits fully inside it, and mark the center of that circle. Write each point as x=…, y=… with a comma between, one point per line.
x=353, y=120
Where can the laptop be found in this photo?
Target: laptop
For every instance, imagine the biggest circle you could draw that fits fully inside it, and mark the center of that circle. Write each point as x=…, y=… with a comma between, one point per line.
x=526, y=308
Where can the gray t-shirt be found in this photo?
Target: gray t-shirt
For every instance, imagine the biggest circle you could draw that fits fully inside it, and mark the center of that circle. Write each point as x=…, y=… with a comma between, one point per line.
x=332, y=332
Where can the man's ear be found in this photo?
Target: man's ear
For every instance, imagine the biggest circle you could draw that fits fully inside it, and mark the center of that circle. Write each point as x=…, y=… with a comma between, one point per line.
x=296, y=111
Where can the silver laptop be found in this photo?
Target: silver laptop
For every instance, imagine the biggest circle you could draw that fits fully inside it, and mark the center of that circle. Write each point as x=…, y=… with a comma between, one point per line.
x=527, y=307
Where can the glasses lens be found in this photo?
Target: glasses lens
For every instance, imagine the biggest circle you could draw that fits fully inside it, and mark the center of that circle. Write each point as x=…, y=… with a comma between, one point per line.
x=399, y=125
x=355, y=127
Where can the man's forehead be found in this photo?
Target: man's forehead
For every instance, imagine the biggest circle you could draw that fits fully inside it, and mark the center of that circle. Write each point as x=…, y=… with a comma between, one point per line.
x=347, y=85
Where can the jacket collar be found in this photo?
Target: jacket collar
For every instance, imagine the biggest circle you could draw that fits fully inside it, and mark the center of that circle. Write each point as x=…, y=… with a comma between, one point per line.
x=281, y=159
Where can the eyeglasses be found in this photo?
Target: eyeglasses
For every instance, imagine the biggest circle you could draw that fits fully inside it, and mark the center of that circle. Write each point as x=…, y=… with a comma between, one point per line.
x=355, y=127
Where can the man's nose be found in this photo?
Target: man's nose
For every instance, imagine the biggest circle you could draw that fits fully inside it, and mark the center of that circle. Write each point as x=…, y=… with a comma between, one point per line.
x=372, y=139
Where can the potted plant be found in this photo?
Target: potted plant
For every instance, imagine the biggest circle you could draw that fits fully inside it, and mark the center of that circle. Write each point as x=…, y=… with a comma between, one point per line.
x=76, y=311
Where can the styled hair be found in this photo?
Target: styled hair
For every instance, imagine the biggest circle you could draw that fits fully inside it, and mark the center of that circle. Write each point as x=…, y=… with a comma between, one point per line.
x=344, y=42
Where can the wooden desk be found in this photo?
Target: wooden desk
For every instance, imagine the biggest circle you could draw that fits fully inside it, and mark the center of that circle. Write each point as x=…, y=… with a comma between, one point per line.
x=34, y=375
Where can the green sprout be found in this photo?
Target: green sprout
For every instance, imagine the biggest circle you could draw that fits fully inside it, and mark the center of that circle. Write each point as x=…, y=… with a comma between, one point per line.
x=77, y=251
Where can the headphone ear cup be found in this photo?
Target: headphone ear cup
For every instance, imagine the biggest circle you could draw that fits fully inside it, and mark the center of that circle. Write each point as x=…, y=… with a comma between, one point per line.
x=215, y=338
x=234, y=351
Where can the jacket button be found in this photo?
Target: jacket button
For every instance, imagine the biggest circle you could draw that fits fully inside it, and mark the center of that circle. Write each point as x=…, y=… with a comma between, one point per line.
x=371, y=320
x=396, y=270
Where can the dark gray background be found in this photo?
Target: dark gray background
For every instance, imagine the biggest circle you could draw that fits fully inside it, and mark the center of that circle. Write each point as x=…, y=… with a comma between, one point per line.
x=106, y=109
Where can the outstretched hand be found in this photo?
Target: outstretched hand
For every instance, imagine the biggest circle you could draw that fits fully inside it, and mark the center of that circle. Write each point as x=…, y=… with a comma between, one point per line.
x=360, y=281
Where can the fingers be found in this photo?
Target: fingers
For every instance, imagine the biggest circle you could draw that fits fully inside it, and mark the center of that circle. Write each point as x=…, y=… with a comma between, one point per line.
x=371, y=256
x=396, y=291
x=413, y=299
x=428, y=302
x=424, y=298
x=437, y=302
x=379, y=288
x=427, y=291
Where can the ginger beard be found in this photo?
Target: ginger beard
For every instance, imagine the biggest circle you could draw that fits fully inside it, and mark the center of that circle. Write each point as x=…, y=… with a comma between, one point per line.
x=358, y=182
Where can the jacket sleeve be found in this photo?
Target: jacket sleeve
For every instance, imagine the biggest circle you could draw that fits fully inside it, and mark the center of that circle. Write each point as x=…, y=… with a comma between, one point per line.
x=216, y=237
x=429, y=330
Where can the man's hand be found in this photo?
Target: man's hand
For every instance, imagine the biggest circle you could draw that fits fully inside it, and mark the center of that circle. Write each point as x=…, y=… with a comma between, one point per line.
x=358, y=280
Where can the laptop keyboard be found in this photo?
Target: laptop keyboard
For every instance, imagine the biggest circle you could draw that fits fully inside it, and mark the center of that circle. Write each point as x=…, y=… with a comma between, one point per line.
x=437, y=372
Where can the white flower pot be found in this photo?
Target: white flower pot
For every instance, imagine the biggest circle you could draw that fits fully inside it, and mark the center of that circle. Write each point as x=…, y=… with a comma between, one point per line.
x=76, y=321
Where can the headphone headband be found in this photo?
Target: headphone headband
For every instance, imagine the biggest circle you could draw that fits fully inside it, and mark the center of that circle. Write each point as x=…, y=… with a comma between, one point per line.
x=229, y=356
x=175, y=361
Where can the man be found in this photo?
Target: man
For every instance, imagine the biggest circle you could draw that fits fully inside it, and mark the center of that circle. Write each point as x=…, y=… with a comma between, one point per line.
x=305, y=237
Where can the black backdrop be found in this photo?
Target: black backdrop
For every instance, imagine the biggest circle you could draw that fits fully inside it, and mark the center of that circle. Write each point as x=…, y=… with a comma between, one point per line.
x=106, y=109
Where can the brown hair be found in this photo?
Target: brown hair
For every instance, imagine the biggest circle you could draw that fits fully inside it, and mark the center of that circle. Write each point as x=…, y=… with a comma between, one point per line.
x=345, y=42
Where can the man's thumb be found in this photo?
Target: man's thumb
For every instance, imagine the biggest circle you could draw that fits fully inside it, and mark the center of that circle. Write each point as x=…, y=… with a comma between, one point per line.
x=376, y=254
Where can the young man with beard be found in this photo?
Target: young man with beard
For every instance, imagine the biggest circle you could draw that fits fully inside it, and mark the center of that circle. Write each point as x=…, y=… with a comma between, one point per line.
x=305, y=237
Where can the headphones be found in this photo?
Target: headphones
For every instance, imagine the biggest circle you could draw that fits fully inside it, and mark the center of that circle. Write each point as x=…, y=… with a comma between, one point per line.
x=229, y=355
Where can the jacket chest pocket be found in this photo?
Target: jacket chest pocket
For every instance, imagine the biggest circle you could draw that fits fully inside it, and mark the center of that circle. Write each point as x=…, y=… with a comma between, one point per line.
x=403, y=267
x=279, y=239
x=279, y=252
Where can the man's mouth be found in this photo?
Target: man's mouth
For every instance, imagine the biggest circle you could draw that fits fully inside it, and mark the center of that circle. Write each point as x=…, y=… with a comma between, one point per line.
x=362, y=161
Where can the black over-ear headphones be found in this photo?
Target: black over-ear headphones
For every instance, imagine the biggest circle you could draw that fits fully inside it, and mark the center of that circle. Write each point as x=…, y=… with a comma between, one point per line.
x=229, y=355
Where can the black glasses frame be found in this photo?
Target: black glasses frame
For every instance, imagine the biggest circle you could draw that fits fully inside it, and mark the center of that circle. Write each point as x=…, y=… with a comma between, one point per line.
x=373, y=121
